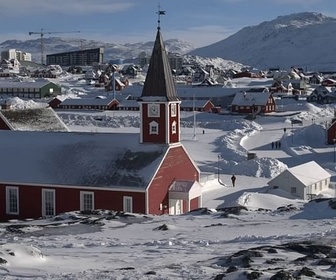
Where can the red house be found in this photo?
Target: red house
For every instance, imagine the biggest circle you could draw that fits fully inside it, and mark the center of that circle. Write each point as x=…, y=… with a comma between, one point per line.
x=328, y=83
x=55, y=102
x=150, y=173
x=254, y=102
x=331, y=132
x=197, y=105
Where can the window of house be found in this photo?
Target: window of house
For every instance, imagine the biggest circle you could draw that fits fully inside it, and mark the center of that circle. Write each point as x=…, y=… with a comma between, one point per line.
x=153, y=128
x=320, y=186
x=173, y=109
x=12, y=200
x=174, y=127
x=128, y=204
x=48, y=202
x=315, y=187
x=293, y=190
x=86, y=201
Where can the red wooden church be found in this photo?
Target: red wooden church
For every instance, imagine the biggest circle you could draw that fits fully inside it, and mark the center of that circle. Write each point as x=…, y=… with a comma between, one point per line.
x=47, y=173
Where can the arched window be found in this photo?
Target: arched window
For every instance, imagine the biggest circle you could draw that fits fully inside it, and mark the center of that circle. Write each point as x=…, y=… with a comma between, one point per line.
x=174, y=127
x=153, y=127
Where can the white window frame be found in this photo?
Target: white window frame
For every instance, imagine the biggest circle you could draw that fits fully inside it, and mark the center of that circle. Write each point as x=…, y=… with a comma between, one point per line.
x=82, y=201
x=44, y=202
x=153, y=128
x=174, y=127
x=8, y=202
x=173, y=110
x=128, y=204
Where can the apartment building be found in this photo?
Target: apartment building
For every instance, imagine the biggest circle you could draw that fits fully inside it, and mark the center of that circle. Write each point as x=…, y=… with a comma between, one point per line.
x=16, y=54
x=77, y=58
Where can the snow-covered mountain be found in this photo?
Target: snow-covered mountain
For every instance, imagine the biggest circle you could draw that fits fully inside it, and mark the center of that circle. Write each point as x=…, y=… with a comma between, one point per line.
x=111, y=51
x=301, y=40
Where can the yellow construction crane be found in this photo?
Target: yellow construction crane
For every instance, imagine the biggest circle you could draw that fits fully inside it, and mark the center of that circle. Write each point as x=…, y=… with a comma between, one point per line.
x=41, y=33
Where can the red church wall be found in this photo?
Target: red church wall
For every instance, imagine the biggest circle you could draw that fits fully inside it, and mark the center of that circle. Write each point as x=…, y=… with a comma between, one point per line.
x=174, y=138
x=66, y=199
x=161, y=120
x=176, y=165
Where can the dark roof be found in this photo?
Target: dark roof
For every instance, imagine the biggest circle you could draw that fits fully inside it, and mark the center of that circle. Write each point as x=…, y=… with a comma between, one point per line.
x=36, y=119
x=159, y=84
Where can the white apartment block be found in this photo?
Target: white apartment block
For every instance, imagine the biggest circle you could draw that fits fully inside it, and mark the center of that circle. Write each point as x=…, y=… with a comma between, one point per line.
x=19, y=55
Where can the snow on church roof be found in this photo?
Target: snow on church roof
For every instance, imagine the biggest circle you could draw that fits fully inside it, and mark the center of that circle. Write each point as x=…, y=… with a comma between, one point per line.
x=78, y=159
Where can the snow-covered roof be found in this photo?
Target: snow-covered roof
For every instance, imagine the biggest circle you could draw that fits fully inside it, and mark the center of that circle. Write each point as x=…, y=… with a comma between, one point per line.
x=244, y=98
x=185, y=189
x=309, y=173
x=33, y=119
x=87, y=101
x=36, y=84
x=129, y=103
x=78, y=159
x=192, y=103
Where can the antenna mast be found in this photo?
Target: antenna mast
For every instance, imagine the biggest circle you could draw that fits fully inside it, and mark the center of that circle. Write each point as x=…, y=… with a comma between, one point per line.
x=160, y=13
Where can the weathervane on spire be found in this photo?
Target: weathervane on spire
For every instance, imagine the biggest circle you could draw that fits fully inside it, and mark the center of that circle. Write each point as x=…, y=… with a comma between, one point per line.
x=160, y=13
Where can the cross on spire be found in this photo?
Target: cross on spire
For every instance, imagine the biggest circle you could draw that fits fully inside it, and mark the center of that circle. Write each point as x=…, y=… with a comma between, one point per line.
x=160, y=13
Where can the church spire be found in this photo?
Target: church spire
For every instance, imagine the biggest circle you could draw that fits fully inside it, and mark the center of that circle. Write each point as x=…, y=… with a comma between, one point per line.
x=159, y=103
x=159, y=84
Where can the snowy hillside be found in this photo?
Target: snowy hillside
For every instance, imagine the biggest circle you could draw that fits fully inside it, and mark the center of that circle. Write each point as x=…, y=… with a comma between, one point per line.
x=302, y=40
x=111, y=50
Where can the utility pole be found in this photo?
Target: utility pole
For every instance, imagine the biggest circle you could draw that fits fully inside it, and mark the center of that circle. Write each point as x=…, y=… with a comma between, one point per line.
x=41, y=33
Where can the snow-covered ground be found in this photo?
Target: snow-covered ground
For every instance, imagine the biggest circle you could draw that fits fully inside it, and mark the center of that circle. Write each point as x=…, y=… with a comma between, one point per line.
x=259, y=231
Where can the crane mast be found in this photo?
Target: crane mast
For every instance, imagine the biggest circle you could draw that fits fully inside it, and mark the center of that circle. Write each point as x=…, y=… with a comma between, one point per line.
x=41, y=33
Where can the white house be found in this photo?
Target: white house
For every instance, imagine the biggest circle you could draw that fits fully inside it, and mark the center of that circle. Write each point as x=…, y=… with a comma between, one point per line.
x=304, y=181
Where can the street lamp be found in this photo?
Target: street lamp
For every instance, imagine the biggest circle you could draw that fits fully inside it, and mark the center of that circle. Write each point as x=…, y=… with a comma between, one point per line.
x=334, y=140
x=218, y=169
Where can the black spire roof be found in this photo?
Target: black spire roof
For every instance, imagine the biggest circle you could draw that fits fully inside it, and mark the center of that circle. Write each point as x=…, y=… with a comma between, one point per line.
x=159, y=84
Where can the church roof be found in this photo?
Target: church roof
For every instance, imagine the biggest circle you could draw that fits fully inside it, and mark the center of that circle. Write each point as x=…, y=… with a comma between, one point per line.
x=107, y=160
x=159, y=84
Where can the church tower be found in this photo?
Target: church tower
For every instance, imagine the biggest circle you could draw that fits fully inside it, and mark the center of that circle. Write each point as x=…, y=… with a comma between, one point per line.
x=159, y=103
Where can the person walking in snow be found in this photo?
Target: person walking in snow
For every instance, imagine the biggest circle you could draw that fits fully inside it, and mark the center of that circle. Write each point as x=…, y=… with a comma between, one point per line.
x=233, y=179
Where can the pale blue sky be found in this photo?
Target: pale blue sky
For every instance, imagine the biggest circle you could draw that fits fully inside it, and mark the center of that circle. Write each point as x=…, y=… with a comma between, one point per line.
x=200, y=22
